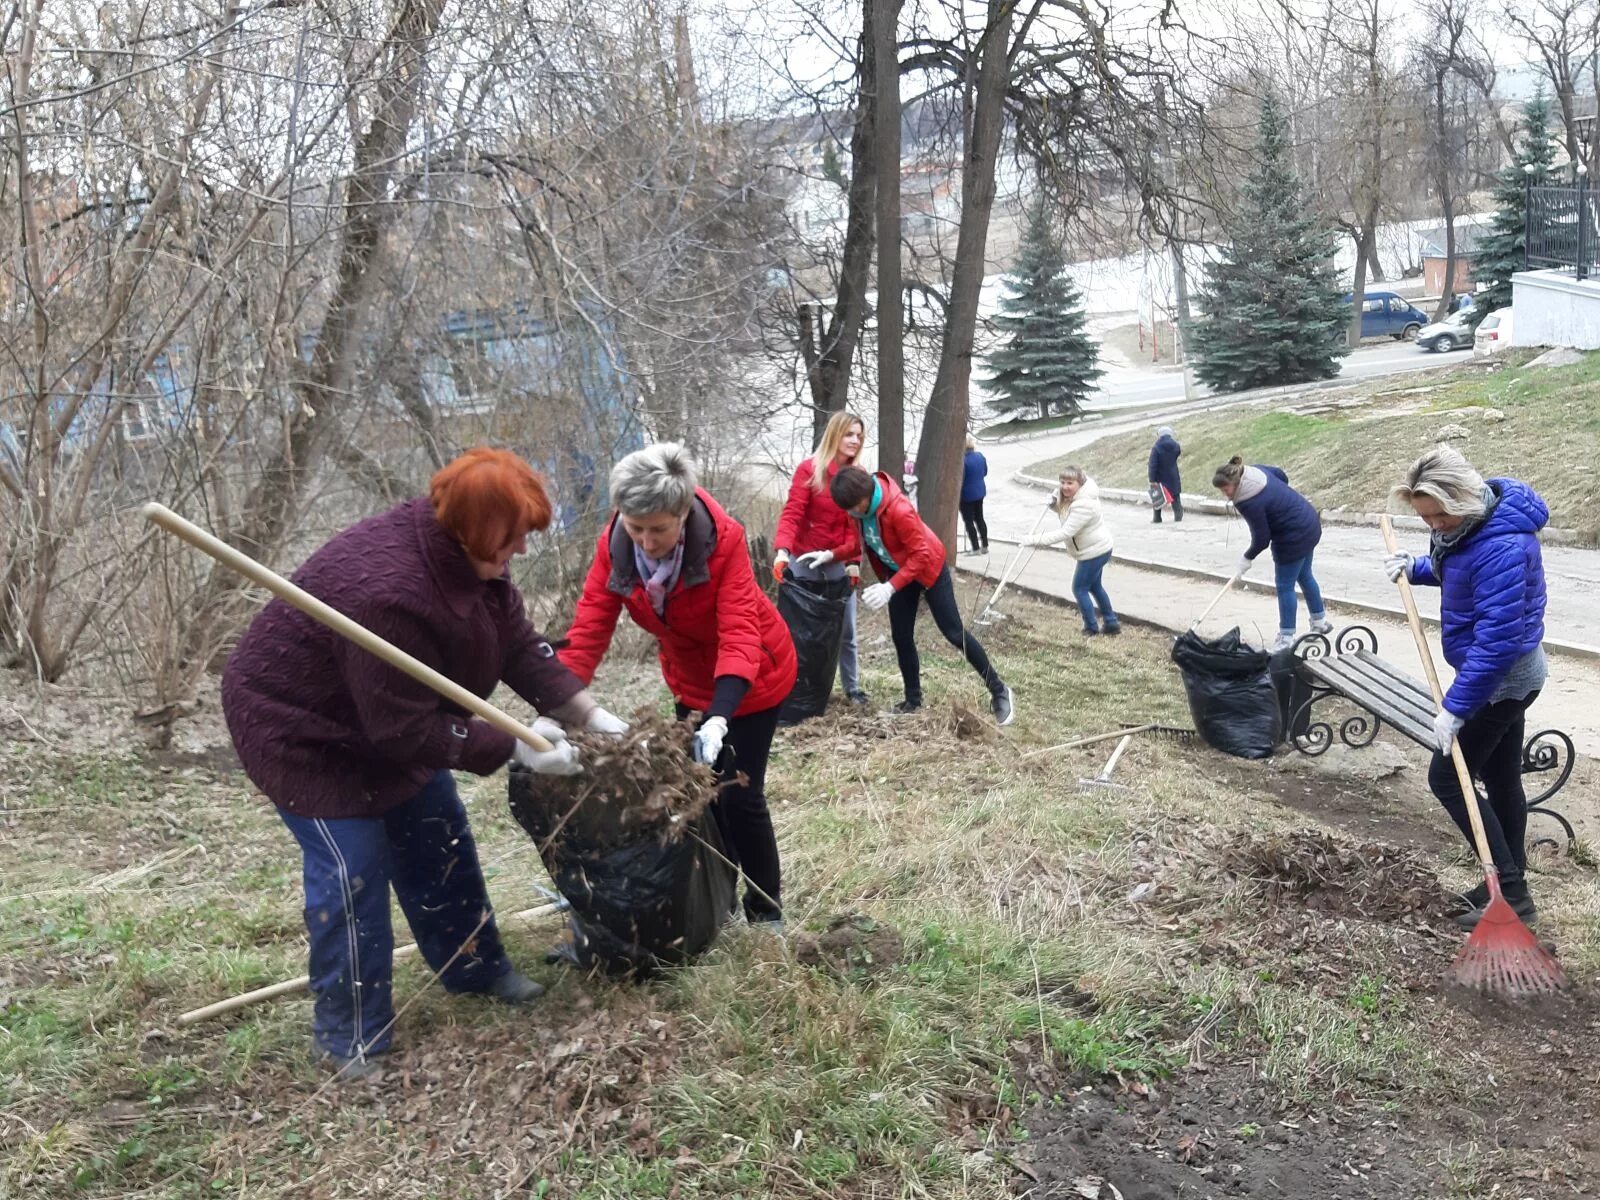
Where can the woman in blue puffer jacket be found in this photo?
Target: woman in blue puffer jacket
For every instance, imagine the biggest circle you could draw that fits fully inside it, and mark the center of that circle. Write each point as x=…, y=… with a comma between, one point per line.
x=1280, y=517
x=1485, y=559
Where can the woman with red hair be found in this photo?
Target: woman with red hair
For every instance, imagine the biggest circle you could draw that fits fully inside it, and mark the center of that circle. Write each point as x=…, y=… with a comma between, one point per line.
x=357, y=755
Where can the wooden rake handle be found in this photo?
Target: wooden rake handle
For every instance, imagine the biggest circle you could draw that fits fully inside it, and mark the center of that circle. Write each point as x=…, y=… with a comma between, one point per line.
x=335, y=620
x=1226, y=588
x=1425, y=652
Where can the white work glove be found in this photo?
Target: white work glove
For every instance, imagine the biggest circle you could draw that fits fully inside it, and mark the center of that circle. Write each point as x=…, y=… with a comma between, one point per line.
x=708, y=740
x=816, y=558
x=600, y=721
x=1396, y=565
x=560, y=759
x=1445, y=727
x=876, y=596
x=1243, y=569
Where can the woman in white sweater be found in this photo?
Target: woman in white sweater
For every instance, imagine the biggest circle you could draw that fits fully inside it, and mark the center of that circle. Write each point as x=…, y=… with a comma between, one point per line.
x=1088, y=539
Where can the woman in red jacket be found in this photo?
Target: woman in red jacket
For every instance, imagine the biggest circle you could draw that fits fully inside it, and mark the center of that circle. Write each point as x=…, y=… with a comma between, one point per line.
x=678, y=563
x=815, y=533
x=909, y=558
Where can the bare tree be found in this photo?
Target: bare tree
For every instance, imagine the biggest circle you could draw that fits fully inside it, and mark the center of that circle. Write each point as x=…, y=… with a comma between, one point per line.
x=1565, y=37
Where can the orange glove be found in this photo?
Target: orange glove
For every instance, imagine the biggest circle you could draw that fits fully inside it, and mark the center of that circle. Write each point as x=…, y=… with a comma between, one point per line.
x=779, y=562
x=853, y=574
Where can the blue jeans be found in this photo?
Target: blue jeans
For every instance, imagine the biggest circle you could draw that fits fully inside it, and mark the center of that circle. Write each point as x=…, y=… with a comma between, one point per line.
x=1087, y=591
x=425, y=849
x=1287, y=575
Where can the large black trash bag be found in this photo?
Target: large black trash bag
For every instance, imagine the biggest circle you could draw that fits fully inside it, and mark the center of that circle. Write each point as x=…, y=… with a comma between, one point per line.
x=1231, y=697
x=641, y=898
x=814, y=611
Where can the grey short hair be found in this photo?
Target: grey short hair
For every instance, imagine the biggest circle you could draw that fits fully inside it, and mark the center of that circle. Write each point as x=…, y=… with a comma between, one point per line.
x=1165, y=431
x=1444, y=475
x=657, y=479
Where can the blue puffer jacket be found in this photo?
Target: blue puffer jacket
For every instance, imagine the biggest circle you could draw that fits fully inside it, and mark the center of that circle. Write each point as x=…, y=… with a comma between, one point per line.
x=1279, y=515
x=1492, y=603
x=973, y=468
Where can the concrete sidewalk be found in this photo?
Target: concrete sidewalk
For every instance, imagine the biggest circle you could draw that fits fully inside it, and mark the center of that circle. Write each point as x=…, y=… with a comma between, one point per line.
x=1347, y=564
x=1172, y=602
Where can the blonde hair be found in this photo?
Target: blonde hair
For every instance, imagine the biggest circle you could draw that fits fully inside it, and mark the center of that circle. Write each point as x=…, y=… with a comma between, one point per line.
x=1074, y=473
x=1229, y=473
x=972, y=442
x=828, y=448
x=1444, y=474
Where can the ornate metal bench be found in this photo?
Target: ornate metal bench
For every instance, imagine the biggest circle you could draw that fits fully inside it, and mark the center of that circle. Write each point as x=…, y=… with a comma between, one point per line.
x=1345, y=666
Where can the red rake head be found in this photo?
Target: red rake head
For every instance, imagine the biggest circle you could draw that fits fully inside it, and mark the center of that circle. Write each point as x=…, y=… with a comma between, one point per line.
x=1503, y=957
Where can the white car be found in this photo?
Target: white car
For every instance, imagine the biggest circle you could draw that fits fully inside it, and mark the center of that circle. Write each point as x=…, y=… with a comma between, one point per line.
x=1494, y=332
x=1452, y=333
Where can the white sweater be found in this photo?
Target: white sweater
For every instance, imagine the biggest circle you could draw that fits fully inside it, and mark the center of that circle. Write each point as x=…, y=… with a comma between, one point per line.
x=1083, y=533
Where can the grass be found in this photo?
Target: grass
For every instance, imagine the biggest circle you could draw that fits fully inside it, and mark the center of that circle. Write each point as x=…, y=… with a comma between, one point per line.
x=1024, y=970
x=1349, y=457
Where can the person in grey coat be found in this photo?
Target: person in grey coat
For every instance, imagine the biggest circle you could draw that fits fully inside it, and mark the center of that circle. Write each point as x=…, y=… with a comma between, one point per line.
x=1166, y=486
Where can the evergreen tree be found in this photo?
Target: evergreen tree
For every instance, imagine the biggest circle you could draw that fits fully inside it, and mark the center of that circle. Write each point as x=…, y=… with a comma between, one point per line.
x=1503, y=250
x=1272, y=312
x=1047, y=361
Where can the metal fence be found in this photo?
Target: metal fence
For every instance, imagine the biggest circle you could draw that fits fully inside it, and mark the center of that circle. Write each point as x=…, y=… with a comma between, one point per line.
x=1564, y=228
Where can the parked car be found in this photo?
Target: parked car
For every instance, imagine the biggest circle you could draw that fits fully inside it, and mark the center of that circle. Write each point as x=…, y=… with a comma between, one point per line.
x=1494, y=332
x=1385, y=313
x=1452, y=333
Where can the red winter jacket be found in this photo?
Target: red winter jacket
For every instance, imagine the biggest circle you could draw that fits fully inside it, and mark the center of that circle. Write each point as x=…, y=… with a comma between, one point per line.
x=919, y=553
x=812, y=521
x=717, y=620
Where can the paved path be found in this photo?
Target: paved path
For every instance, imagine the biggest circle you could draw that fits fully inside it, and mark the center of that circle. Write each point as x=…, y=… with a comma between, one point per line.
x=1172, y=602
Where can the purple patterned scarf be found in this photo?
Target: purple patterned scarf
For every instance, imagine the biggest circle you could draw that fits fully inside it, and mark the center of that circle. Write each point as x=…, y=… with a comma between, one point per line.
x=659, y=576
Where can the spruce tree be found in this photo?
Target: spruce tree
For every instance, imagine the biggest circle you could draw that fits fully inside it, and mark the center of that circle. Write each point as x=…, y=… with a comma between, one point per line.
x=1272, y=312
x=1503, y=250
x=1047, y=361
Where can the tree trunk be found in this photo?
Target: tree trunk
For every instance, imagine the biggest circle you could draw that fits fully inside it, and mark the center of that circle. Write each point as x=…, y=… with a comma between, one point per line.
x=1365, y=236
x=330, y=385
x=944, y=432
x=885, y=53
x=828, y=365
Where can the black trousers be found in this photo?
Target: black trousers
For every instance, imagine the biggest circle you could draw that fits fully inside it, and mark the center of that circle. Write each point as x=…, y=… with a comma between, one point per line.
x=977, y=527
x=741, y=810
x=947, y=616
x=1491, y=742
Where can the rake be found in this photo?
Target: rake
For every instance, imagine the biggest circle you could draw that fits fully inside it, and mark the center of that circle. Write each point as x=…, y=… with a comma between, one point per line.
x=1502, y=955
x=1184, y=737
x=990, y=614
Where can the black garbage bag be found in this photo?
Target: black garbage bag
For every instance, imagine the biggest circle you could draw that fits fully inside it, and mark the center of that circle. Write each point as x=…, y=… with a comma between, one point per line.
x=1231, y=697
x=814, y=611
x=1293, y=692
x=640, y=899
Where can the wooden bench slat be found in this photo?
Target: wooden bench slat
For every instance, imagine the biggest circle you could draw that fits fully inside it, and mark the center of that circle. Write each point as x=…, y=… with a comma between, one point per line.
x=1390, y=682
x=1411, y=682
x=1341, y=678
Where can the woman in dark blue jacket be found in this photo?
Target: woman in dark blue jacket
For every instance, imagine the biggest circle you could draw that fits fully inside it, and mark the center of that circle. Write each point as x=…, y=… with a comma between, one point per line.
x=973, y=469
x=1280, y=517
x=1166, y=486
x=1485, y=560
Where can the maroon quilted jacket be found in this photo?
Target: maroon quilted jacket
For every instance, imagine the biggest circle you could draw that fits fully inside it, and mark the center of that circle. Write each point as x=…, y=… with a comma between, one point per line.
x=326, y=729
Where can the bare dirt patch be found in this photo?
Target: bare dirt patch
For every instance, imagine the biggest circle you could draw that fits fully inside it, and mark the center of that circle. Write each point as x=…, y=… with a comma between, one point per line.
x=853, y=944
x=1217, y=1134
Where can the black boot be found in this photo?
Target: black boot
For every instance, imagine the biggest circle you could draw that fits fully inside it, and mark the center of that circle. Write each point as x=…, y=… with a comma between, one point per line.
x=1155, y=517
x=1516, y=894
x=1177, y=511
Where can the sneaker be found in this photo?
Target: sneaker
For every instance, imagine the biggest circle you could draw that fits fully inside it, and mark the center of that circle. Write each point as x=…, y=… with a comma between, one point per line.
x=350, y=1070
x=1090, y=631
x=1519, y=898
x=906, y=706
x=515, y=988
x=1004, y=705
x=1321, y=625
x=858, y=697
x=1112, y=628
x=1282, y=642
x=772, y=926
